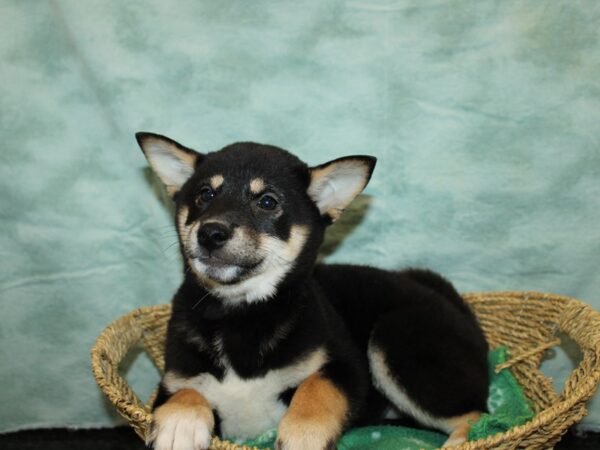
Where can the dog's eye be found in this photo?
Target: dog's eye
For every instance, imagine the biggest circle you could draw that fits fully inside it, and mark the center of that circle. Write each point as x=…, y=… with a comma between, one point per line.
x=267, y=202
x=206, y=195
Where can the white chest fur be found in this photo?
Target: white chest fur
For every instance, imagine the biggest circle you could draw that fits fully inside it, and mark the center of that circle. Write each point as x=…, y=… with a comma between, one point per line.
x=248, y=407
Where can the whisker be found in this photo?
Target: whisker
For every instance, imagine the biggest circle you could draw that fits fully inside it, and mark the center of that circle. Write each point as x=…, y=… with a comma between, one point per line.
x=170, y=246
x=203, y=297
x=161, y=229
x=163, y=236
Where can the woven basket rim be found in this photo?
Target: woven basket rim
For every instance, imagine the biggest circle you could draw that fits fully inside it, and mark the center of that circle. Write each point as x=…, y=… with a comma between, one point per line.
x=139, y=415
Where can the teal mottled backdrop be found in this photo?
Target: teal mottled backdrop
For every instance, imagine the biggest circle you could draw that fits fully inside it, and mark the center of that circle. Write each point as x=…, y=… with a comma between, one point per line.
x=484, y=116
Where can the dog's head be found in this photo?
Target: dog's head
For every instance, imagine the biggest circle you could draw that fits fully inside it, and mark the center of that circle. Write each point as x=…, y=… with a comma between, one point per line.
x=251, y=216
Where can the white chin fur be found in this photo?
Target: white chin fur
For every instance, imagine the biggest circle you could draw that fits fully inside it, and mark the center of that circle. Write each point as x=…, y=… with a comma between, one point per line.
x=261, y=283
x=220, y=274
x=254, y=289
x=280, y=257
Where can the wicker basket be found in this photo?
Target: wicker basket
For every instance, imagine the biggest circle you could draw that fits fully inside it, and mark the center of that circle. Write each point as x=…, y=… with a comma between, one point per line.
x=525, y=322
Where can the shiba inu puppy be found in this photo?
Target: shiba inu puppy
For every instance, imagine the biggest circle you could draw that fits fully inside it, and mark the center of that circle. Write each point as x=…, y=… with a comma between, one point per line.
x=261, y=337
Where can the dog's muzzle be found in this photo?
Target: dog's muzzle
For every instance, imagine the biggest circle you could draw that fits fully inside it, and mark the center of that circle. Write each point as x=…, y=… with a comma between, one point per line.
x=213, y=235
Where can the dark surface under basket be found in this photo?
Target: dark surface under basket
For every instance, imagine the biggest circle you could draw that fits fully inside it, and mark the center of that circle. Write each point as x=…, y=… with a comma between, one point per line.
x=124, y=438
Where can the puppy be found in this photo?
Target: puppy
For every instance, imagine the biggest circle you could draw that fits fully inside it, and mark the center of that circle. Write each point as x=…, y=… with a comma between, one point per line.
x=261, y=337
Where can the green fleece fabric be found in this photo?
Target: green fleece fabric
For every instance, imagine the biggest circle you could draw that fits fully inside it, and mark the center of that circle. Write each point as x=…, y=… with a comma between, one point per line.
x=507, y=405
x=484, y=116
x=373, y=438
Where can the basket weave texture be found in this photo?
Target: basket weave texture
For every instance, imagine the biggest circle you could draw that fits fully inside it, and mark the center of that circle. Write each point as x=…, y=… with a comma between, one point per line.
x=525, y=322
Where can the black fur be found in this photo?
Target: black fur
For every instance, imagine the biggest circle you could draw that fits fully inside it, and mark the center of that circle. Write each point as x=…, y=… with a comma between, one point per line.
x=435, y=348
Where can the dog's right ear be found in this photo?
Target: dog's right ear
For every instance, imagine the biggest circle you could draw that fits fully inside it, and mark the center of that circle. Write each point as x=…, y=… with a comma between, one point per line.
x=334, y=185
x=172, y=162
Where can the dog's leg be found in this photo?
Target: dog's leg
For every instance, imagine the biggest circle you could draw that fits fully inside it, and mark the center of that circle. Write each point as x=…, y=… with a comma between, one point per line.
x=437, y=380
x=184, y=422
x=315, y=418
x=460, y=428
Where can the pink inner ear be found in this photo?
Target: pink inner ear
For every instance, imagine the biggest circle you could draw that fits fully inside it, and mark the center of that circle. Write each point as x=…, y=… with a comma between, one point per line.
x=334, y=186
x=173, y=165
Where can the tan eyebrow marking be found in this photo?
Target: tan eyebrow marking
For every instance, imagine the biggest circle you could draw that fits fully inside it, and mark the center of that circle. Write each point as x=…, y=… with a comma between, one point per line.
x=216, y=181
x=257, y=185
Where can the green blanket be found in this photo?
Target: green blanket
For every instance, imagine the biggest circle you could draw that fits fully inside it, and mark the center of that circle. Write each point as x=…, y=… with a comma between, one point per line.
x=507, y=406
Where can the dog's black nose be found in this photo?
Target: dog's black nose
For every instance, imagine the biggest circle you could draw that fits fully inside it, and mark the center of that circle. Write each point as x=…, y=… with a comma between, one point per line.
x=213, y=235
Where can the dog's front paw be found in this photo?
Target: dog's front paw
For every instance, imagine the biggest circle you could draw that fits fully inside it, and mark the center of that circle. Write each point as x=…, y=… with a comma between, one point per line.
x=315, y=418
x=184, y=429
x=306, y=434
x=181, y=426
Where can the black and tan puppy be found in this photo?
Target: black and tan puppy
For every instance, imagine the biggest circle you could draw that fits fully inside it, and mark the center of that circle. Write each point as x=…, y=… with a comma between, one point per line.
x=261, y=337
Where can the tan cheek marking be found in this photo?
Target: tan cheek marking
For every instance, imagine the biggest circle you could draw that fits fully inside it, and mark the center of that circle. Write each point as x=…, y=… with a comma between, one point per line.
x=181, y=402
x=316, y=416
x=216, y=181
x=185, y=231
x=297, y=239
x=257, y=185
x=182, y=216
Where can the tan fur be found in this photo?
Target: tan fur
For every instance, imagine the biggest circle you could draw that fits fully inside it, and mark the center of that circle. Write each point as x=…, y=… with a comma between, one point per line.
x=315, y=418
x=216, y=181
x=187, y=415
x=186, y=232
x=189, y=158
x=460, y=428
x=257, y=185
x=249, y=406
x=316, y=176
x=182, y=216
x=279, y=258
x=186, y=398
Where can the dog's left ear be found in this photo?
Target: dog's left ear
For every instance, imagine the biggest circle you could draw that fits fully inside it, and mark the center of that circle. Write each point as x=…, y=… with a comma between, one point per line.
x=172, y=162
x=335, y=184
